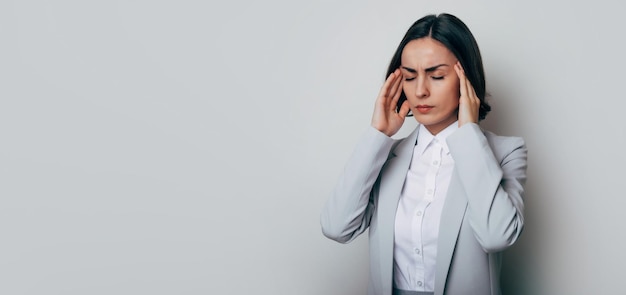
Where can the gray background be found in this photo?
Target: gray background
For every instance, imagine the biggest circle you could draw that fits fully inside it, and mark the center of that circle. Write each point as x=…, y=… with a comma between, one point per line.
x=186, y=147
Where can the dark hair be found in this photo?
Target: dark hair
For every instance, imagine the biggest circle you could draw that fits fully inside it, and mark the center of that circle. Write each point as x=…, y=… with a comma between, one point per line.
x=456, y=36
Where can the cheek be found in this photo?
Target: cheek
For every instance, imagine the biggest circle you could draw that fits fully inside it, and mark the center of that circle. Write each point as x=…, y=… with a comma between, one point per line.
x=452, y=102
x=455, y=90
x=454, y=86
x=453, y=95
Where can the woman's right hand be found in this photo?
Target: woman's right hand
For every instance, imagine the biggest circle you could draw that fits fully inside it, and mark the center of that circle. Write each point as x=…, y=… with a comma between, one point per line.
x=385, y=118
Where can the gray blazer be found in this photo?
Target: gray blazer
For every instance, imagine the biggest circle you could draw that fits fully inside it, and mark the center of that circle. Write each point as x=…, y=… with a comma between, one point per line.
x=483, y=213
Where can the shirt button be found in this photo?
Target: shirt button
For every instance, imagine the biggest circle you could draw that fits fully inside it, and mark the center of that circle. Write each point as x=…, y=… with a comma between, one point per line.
x=435, y=163
x=419, y=283
x=417, y=251
x=419, y=213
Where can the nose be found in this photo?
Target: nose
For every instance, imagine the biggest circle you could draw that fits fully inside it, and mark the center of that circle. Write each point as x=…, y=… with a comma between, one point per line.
x=421, y=90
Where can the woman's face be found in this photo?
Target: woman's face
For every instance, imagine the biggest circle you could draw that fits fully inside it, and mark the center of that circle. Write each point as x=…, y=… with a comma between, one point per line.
x=430, y=83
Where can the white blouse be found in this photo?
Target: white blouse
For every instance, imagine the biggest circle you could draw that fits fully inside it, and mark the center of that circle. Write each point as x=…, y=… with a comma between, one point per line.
x=419, y=211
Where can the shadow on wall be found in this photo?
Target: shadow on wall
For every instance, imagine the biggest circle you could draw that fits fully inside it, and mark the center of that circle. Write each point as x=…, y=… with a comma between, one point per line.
x=521, y=272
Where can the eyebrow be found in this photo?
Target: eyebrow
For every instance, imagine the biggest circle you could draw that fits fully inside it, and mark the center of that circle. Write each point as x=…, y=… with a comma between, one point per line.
x=427, y=70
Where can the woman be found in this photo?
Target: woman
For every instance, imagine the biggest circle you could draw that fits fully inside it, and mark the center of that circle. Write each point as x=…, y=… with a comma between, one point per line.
x=442, y=203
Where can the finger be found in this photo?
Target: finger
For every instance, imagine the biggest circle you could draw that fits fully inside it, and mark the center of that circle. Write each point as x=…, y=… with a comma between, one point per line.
x=395, y=84
x=461, y=75
x=404, y=109
x=470, y=91
x=462, y=80
x=383, y=94
x=473, y=95
x=397, y=93
x=392, y=82
x=469, y=102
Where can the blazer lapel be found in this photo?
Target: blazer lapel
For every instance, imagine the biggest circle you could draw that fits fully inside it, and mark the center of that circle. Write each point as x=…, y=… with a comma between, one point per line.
x=449, y=227
x=391, y=184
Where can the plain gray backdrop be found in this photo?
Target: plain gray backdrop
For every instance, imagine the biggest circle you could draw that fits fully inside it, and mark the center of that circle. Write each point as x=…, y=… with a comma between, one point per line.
x=187, y=147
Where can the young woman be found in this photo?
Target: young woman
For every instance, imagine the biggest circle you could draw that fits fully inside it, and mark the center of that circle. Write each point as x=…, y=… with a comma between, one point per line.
x=442, y=203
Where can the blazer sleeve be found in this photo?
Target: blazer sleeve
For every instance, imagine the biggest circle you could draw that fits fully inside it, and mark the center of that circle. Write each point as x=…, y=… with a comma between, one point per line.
x=348, y=211
x=493, y=184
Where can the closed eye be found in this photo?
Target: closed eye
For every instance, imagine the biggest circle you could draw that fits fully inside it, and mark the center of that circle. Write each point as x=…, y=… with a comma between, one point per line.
x=409, y=79
x=437, y=77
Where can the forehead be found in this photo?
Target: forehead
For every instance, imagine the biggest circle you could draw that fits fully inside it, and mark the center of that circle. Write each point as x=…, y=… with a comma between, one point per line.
x=426, y=52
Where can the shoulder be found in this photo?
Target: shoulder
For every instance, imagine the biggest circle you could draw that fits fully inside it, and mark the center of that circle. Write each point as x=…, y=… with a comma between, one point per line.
x=503, y=145
x=405, y=144
x=502, y=140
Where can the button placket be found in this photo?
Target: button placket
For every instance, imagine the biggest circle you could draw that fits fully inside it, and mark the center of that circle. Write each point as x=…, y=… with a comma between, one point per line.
x=433, y=171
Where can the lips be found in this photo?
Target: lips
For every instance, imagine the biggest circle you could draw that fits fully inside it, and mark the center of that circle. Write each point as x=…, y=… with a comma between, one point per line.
x=424, y=108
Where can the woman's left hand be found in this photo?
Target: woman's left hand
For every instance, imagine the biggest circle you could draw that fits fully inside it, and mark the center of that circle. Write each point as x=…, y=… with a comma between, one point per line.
x=469, y=103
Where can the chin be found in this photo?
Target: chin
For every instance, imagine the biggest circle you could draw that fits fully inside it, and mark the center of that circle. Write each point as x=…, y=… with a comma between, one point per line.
x=424, y=119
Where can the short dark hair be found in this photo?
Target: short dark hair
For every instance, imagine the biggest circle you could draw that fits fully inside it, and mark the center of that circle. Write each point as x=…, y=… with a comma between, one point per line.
x=456, y=36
